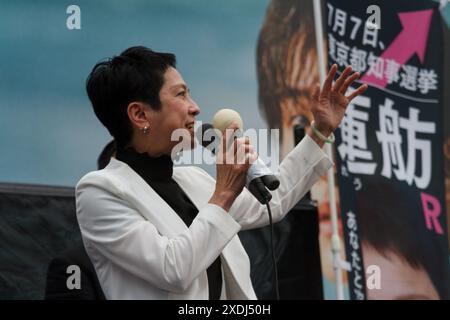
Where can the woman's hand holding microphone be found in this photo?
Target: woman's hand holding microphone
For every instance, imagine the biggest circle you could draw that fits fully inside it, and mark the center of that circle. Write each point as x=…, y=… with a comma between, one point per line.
x=234, y=157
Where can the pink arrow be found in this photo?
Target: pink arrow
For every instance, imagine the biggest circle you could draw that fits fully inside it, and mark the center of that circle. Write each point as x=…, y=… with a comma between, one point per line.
x=412, y=39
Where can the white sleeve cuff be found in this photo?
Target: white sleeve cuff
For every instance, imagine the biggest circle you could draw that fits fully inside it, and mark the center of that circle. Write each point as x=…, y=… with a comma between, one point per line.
x=221, y=219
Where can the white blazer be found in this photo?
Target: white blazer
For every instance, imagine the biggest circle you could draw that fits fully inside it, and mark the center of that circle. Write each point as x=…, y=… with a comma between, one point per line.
x=141, y=249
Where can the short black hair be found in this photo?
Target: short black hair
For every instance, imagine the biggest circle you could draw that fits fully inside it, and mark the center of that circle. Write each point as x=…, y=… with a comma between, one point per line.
x=137, y=74
x=105, y=156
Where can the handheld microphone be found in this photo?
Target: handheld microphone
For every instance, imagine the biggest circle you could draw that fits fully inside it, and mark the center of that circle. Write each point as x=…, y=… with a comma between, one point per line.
x=259, y=177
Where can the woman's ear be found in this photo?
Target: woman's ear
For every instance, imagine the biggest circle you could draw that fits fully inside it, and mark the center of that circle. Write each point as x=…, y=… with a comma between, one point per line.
x=139, y=114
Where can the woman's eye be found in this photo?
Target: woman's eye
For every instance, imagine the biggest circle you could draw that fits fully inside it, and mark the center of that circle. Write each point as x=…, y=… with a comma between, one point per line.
x=181, y=93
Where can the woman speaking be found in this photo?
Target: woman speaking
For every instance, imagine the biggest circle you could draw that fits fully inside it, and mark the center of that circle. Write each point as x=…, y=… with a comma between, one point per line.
x=154, y=231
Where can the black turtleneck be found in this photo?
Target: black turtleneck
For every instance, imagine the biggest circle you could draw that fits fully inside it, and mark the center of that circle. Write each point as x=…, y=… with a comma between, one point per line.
x=157, y=172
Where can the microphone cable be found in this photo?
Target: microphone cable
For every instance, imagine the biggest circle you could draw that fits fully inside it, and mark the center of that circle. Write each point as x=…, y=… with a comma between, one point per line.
x=272, y=249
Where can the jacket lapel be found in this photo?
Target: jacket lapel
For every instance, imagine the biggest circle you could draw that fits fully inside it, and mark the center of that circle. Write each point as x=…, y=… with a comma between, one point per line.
x=154, y=209
x=199, y=191
x=149, y=204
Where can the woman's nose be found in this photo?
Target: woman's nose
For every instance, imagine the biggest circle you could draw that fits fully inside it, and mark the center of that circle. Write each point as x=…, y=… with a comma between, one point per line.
x=195, y=109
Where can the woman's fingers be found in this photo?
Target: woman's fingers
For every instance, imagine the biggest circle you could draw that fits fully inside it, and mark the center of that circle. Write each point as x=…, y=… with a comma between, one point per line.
x=348, y=82
x=242, y=149
x=329, y=80
x=357, y=92
x=340, y=81
x=342, y=86
x=244, y=154
x=233, y=162
x=236, y=150
x=228, y=136
x=316, y=92
x=230, y=130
